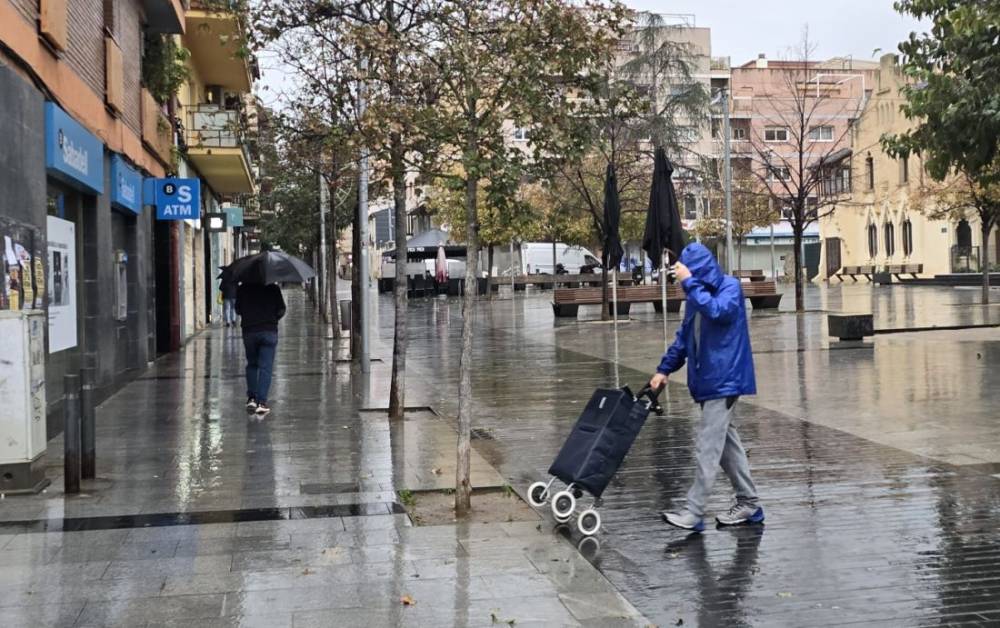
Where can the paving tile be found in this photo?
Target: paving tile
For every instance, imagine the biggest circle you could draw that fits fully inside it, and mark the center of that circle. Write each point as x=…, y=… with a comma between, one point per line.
x=55, y=615
x=132, y=612
x=169, y=567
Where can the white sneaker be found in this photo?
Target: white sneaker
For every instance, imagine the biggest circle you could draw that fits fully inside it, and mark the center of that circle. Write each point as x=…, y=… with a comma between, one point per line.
x=262, y=409
x=741, y=513
x=684, y=520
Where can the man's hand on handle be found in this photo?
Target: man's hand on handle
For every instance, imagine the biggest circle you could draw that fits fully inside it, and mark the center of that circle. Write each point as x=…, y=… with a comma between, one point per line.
x=681, y=271
x=658, y=382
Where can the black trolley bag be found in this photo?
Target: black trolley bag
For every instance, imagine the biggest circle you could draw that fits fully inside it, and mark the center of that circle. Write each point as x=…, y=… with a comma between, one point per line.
x=594, y=451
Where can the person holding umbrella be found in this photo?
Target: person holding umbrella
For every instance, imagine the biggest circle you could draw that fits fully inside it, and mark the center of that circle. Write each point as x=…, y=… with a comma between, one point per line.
x=260, y=305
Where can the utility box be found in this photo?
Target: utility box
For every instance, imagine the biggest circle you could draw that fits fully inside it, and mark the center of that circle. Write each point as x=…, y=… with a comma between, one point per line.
x=22, y=413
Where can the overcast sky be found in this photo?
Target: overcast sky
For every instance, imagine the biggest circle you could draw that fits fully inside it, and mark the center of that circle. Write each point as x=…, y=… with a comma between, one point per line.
x=743, y=28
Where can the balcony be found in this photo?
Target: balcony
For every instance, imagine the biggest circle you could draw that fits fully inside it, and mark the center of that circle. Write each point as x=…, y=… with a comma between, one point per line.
x=216, y=41
x=165, y=16
x=217, y=145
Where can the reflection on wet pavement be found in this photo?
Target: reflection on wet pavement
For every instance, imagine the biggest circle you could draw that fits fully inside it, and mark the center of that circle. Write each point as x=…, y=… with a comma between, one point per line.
x=860, y=529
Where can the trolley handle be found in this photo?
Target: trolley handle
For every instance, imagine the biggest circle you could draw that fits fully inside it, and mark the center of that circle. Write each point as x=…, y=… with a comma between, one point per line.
x=652, y=395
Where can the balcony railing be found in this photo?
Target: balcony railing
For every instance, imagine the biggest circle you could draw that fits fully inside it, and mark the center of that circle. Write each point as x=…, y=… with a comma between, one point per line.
x=720, y=63
x=210, y=126
x=965, y=259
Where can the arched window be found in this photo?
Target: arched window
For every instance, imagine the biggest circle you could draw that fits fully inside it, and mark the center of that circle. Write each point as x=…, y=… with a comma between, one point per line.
x=870, y=171
x=890, y=238
x=872, y=241
x=963, y=234
x=907, y=238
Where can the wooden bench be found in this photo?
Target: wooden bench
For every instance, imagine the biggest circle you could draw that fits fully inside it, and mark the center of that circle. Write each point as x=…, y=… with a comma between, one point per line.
x=567, y=301
x=752, y=275
x=854, y=271
x=904, y=269
x=763, y=294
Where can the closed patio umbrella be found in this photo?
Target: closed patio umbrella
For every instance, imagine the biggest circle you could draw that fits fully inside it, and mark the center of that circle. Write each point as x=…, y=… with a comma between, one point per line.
x=612, y=245
x=664, y=231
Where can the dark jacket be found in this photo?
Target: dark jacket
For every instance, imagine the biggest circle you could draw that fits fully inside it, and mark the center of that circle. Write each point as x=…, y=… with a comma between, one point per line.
x=720, y=364
x=228, y=289
x=260, y=307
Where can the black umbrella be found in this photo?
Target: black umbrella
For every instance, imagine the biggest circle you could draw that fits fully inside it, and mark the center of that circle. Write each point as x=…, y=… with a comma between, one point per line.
x=663, y=220
x=613, y=251
x=269, y=267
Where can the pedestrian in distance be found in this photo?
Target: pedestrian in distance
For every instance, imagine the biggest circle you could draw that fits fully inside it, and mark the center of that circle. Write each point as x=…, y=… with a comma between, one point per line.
x=228, y=287
x=714, y=341
x=260, y=308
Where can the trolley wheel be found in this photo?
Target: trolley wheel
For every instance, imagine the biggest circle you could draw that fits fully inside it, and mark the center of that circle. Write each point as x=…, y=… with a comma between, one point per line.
x=589, y=522
x=563, y=505
x=538, y=494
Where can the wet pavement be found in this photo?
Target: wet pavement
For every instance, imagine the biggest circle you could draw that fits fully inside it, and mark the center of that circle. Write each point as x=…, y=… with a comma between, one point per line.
x=878, y=466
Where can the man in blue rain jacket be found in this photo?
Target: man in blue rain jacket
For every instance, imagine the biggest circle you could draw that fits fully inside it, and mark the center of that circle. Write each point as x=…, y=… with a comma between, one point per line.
x=715, y=342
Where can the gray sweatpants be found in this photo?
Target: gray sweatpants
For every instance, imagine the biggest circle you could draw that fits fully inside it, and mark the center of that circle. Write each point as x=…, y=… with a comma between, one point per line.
x=718, y=444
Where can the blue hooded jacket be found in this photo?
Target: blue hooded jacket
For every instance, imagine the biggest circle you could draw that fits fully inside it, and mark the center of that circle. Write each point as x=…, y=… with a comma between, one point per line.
x=714, y=338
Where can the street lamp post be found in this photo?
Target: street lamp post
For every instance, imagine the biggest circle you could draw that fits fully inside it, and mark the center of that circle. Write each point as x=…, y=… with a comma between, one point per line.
x=727, y=179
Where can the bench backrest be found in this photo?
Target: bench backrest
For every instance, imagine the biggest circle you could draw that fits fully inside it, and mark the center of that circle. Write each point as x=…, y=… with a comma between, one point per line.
x=758, y=288
x=748, y=274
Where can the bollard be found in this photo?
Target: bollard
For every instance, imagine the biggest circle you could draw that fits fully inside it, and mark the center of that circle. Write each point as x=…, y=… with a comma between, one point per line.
x=71, y=434
x=88, y=439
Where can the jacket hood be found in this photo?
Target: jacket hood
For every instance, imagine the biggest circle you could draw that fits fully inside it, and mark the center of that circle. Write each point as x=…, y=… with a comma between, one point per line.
x=702, y=264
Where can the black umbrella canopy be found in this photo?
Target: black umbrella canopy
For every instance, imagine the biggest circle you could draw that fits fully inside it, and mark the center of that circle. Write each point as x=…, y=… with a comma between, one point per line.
x=663, y=220
x=269, y=267
x=613, y=251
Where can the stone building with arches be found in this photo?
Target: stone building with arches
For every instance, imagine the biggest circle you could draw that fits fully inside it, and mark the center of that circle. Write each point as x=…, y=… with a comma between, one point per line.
x=885, y=215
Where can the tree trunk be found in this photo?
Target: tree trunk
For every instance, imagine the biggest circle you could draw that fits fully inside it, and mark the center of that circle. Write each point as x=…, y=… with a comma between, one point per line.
x=463, y=484
x=739, y=254
x=397, y=387
x=797, y=256
x=986, y=228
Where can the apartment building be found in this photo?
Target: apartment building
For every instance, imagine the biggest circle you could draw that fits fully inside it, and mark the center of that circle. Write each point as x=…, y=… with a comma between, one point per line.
x=83, y=128
x=884, y=215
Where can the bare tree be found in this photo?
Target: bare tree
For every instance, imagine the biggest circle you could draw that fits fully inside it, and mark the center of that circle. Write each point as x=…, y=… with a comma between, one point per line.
x=799, y=137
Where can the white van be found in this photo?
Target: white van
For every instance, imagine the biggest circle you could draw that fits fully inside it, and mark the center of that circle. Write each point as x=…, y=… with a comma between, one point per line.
x=536, y=258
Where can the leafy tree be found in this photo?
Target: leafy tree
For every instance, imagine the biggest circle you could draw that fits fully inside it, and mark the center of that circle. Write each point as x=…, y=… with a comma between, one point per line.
x=493, y=61
x=752, y=207
x=953, y=100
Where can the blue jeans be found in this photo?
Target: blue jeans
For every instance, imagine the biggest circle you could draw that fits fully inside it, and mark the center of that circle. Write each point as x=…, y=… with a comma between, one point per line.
x=260, y=347
x=229, y=311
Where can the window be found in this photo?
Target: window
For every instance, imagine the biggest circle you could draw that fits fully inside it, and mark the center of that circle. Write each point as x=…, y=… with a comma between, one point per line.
x=687, y=134
x=739, y=133
x=779, y=173
x=821, y=134
x=890, y=238
x=520, y=134
x=907, y=238
x=775, y=134
x=870, y=172
x=904, y=171
x=690, y=207
x=872, y=241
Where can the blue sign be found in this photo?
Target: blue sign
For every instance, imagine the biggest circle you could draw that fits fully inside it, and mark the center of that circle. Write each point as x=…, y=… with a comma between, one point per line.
x=72, y=153
x=126, y=185
x=175, y=199
x=234, y=216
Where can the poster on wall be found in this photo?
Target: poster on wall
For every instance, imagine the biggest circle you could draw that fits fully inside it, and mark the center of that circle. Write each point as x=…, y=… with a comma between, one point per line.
x=61, y=284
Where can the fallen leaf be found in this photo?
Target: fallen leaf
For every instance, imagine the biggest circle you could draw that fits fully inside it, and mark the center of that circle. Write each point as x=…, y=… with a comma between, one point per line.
x=307, y=572
x=407, y=600
x=436, y=471
x=784, y=594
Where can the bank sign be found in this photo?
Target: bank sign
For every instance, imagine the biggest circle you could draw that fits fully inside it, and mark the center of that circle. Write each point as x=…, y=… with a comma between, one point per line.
x=126, y=185
x=175, y=199
x=72, y=154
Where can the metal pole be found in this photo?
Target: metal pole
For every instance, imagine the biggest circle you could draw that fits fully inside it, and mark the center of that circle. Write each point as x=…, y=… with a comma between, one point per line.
x=362, y=222
x=614, y=308
x=324, y=281
x=774, y=271
x=728, y=180
x=71, y=434
x=663, y=290
x=512, y=268
x=88, y=439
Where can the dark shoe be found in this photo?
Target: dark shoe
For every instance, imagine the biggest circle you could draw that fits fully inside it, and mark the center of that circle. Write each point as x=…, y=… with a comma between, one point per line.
x=251, y=404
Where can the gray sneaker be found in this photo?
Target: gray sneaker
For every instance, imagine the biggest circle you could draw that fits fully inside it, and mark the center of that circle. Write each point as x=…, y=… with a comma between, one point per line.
x=684, y=520
x=741, y=513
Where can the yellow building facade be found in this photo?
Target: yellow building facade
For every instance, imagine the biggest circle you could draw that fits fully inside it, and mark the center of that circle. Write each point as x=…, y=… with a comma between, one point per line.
x=881, y=219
